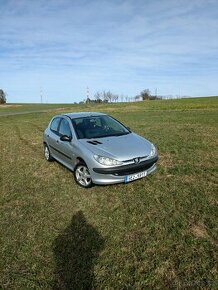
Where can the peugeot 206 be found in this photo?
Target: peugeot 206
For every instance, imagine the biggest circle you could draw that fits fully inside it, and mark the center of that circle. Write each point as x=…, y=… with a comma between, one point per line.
x=98, y=149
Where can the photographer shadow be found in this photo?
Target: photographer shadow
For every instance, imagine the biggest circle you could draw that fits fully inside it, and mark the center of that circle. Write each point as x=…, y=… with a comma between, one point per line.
x=75, y=252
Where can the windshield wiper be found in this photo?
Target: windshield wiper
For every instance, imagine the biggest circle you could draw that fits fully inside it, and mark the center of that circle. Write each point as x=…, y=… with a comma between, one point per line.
x=112, y=135
x=109, y=135
x=120, y=134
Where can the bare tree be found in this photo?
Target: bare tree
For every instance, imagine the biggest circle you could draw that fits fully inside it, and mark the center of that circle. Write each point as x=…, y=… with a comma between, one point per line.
x=116, y=98
x=106, y=96
x=98, y=96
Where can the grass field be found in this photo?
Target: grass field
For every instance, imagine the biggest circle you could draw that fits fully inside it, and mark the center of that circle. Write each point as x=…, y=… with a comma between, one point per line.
x=159, y=232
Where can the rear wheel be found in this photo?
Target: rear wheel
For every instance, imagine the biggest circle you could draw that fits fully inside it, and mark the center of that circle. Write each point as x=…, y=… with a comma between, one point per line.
x=82, y=175
x=47, y=153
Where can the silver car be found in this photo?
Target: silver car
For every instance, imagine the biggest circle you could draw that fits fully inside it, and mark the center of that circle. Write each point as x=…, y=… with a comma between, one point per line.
x=98, y=149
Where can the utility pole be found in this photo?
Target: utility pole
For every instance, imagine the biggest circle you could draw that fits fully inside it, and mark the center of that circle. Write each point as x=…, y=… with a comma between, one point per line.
x=41, y=96
x=87, y=93
x=156, y=92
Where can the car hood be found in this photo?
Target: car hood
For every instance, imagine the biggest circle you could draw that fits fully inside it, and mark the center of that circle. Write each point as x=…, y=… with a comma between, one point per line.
x=121, y=148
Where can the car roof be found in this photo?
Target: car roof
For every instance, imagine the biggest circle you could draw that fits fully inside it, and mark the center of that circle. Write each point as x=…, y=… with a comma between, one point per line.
x=82, y=114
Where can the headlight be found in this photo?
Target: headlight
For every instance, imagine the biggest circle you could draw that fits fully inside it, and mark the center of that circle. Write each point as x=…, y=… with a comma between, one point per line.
x=153, y=151
x=107, y=161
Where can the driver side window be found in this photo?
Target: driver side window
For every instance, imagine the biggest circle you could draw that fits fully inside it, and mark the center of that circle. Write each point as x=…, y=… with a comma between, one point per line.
x=64, y=128
x=54, y=125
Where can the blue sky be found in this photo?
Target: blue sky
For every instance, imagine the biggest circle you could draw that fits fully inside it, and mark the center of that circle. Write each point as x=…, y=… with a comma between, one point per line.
x=63, y=46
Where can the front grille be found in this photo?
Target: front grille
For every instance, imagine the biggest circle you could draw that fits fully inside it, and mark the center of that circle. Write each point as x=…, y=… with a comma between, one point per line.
x=140, y=159
x=134, y=170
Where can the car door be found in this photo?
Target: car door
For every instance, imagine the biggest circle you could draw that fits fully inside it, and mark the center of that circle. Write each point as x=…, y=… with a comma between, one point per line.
x=65, y=148
x=53, y=137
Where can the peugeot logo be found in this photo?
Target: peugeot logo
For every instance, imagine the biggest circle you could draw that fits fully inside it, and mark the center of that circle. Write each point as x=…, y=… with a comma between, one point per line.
x=136, y=160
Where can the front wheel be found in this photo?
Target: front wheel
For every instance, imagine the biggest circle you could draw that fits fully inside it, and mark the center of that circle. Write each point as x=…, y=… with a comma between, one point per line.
x=82, y=175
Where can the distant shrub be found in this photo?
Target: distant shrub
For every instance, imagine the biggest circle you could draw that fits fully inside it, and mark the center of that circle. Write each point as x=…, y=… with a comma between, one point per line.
x=2, y=97
x=146, y=95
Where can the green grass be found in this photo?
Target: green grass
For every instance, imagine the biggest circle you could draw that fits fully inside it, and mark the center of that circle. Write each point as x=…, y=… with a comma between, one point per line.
x=28, y=108
x=159, y=232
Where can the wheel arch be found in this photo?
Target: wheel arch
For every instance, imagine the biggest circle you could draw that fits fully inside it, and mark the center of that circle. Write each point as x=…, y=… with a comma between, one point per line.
x=78, y=160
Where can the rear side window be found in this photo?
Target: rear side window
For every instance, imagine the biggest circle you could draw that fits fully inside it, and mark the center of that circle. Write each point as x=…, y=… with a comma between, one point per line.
x=54, y=124
x=64, y=128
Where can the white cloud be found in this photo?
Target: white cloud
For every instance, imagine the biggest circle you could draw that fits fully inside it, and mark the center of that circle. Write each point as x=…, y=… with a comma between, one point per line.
x=106, y=44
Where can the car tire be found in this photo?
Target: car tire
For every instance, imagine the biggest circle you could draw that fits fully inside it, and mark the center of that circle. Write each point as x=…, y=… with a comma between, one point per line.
x=82, y=175
x=47, y=153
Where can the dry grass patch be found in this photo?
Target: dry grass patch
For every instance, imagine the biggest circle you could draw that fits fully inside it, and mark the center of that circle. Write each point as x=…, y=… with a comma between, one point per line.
x=199, y=231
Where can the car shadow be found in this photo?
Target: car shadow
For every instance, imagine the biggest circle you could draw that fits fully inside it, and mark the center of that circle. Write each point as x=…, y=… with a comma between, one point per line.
x=75, y=252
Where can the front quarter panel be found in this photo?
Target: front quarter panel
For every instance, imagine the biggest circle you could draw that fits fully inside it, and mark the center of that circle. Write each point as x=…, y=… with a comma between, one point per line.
x=84, y=153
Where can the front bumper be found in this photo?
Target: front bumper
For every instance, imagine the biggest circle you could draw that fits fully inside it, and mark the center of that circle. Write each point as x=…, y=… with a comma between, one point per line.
x=117, y=174
x=127, y=169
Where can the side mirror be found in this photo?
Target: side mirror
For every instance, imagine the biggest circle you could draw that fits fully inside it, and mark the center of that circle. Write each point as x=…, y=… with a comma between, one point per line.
x=65, y=138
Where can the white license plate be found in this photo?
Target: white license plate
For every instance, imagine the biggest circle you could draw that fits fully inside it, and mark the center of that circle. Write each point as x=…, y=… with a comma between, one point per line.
x=135, y=176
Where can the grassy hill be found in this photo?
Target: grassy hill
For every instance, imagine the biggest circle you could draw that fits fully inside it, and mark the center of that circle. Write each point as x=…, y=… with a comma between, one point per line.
x=159, y=232
x=176, y=104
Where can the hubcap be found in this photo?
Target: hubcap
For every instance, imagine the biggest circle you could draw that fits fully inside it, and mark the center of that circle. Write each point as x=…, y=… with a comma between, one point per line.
x=83, y=176
x=47, y=153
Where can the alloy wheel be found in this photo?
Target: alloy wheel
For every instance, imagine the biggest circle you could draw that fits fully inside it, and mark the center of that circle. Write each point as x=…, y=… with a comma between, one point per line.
x=83, y=176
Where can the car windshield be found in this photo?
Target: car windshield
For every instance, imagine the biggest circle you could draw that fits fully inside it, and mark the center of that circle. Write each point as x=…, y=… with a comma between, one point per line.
x=98, y=127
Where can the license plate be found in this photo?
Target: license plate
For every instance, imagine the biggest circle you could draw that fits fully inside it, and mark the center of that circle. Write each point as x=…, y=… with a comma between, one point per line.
x=135, y=176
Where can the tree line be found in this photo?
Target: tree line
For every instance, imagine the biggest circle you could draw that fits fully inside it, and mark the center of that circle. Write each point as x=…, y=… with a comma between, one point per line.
x=106, y=97
x=109, y=97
